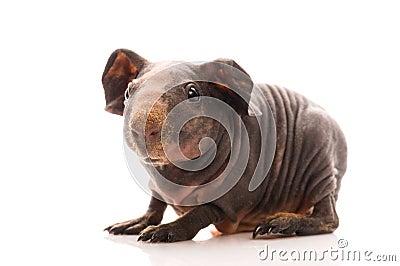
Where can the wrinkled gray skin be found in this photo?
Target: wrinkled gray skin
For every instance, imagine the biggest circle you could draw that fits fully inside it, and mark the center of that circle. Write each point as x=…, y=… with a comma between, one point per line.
x=299, y=192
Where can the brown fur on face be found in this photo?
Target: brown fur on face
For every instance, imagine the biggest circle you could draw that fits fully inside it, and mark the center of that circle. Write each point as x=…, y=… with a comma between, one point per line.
x=190, y=134
x=148, y=107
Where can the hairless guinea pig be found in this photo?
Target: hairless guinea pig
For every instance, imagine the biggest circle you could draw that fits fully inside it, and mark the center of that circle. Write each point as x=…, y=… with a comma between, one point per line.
x=221, y=150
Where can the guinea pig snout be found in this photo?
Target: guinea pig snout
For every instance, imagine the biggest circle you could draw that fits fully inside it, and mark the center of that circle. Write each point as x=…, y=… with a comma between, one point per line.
x=152, y=131
x=148, y=130
x=146, y=125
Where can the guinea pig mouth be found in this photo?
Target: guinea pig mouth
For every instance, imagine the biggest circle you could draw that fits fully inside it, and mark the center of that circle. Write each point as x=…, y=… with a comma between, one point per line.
x=157, y=154
x=154, y=161
x=159, y=161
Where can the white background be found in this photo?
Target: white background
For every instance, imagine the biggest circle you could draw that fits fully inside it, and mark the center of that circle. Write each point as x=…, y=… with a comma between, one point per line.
x=63, y=175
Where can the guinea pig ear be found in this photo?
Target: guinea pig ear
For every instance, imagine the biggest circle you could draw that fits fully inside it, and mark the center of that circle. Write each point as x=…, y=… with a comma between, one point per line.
x=122, y=66
x=231, y=78
x=231, y=63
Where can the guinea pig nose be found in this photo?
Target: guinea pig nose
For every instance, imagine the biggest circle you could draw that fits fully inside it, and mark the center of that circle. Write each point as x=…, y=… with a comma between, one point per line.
x=152, y=132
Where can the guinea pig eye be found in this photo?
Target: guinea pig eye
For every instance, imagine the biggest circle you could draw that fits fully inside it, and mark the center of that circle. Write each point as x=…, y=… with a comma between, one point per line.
x=127, y=94
x=193, y=94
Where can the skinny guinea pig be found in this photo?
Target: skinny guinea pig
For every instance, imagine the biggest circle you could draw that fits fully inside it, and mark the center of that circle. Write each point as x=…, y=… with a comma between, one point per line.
x=305, y=153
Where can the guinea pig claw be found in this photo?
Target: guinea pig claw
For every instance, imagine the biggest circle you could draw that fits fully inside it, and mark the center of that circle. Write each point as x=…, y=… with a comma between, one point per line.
x=257, y=231
x=107, y=228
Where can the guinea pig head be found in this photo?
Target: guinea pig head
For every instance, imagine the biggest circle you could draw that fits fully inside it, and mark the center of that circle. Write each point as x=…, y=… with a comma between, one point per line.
x=171, y=109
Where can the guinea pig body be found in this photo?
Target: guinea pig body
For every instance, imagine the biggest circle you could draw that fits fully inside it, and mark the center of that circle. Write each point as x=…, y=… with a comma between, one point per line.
x=297, y=193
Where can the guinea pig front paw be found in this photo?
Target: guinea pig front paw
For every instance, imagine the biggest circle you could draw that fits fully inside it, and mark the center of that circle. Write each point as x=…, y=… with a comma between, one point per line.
x=131, y=227
x=170, y=232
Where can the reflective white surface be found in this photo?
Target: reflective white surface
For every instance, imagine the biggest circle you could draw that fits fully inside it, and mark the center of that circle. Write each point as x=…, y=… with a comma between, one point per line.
x=236, y=249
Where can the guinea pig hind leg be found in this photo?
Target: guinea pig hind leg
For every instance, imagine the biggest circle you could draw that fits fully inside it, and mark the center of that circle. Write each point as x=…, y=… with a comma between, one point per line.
x=322, y=220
